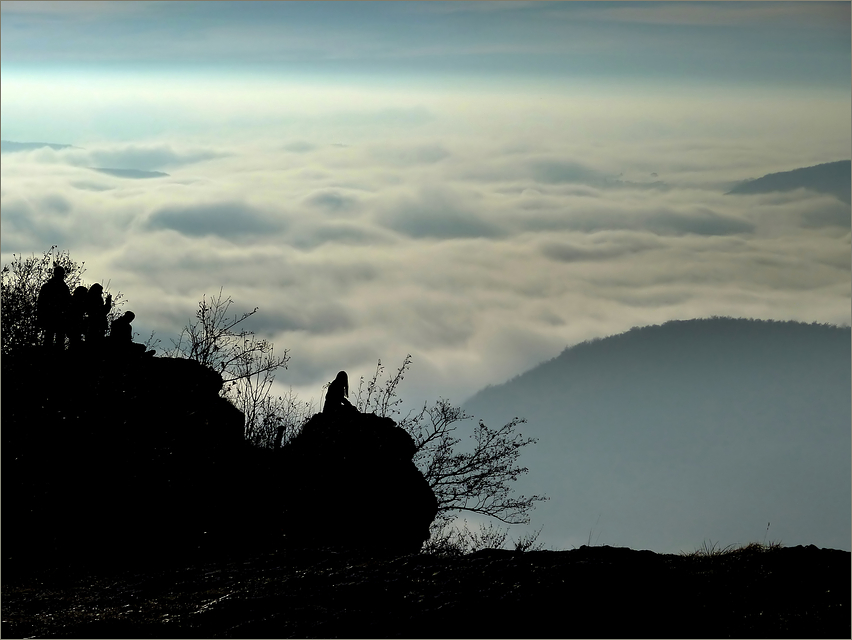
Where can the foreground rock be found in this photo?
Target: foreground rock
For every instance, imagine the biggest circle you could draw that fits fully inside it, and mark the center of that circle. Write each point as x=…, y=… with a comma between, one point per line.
x=107, y=457
x=800, y=592
x=344, y=473
x=111, y=460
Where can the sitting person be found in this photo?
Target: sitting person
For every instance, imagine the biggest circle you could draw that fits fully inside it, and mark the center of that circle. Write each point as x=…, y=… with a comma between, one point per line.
x=121, y=331
x=337, y=394
x=121, y=335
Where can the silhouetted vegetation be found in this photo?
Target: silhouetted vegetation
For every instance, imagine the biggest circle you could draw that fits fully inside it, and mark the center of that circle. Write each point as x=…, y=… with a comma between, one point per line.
x=247, y=365
x=476, y=479
x=457, y=541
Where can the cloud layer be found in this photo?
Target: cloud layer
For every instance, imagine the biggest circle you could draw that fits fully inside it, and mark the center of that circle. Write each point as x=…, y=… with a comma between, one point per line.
x=482, y=241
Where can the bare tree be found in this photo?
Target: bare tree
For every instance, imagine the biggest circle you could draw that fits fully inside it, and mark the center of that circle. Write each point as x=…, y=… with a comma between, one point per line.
x=214, y=341
x=277, y=419
x=246, y=363
x=478, y=479
x=379, y=398
x=475, y=479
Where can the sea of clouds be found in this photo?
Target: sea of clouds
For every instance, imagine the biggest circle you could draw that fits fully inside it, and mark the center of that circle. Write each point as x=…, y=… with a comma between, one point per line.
x=481, y=231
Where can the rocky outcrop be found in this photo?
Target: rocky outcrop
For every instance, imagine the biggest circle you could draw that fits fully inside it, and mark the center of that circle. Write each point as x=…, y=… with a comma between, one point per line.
x=109, y=458
x=343, y=474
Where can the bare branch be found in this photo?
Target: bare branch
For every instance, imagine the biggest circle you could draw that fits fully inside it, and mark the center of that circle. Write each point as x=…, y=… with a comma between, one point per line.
x=477, y=480
x=246, y=363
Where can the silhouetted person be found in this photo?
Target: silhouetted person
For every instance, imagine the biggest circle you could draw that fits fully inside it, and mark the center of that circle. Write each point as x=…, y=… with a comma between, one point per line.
x=77, y=317
x=97, y=311
x=335, y=397
x=54, y=297
x=121, y=335
x=120, y=330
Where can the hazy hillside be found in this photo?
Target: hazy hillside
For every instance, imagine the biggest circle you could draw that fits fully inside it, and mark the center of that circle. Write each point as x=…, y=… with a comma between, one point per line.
x=136, y=174
x=834, y=178
x=665, y=436
x=7, y=146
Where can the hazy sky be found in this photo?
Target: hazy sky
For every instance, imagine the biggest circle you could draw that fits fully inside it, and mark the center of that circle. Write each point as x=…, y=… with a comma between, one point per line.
x=470, y=183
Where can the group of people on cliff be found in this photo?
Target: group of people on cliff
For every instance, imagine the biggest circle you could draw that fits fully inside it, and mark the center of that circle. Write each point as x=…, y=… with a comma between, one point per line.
x=82, y=317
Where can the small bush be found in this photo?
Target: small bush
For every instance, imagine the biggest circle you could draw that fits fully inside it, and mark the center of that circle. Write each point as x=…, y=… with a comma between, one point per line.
x=712, y=550
x=457, y=541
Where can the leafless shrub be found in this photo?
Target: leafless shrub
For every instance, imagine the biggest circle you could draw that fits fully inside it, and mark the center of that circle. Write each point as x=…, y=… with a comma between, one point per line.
x=475, y=479
x=246, y=363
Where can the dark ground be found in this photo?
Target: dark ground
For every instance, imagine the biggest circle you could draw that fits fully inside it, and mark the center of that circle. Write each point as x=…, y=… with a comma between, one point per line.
x=801, y=592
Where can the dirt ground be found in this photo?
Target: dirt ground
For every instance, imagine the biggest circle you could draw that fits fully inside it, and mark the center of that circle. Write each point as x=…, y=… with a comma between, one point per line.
x=586, y=592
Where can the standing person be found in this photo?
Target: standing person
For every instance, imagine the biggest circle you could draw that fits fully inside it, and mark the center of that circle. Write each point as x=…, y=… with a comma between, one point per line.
x=335, y=397
x=54, y=297
x=77, y=317
x=97, y=311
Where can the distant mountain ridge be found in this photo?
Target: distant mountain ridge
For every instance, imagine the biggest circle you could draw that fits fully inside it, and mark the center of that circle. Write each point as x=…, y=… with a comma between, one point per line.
x=672, y=433
x=7, y=146
x=134, y=174
x=834, y=178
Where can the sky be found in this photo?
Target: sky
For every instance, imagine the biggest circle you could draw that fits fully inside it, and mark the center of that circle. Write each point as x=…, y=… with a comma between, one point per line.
x=479, y=185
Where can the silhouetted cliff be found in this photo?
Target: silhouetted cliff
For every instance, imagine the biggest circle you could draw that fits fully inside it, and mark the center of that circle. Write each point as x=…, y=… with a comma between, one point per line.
x=343, y=470
x=110, y=459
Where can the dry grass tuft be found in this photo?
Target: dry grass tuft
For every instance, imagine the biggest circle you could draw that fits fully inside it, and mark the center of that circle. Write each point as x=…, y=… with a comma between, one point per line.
x=713, y=550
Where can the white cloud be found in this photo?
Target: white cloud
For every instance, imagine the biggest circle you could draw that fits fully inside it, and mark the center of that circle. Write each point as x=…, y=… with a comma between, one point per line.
x=234, y=221
x=480, y=232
